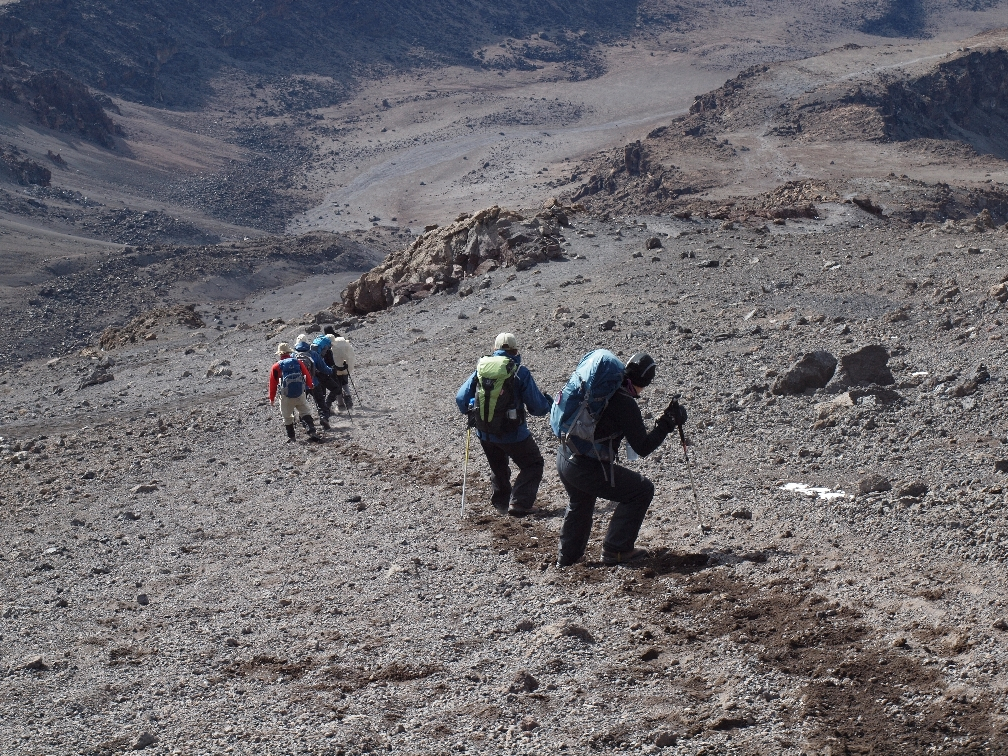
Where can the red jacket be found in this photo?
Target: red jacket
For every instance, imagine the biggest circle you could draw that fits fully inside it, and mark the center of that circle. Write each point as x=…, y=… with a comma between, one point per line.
x=275, y=378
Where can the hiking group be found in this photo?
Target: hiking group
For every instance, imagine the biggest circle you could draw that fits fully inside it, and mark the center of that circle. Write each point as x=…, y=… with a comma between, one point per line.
x=591, y=416
x=322, y=369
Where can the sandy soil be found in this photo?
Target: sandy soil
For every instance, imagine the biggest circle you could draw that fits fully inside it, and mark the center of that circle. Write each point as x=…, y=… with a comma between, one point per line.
x=177, y=575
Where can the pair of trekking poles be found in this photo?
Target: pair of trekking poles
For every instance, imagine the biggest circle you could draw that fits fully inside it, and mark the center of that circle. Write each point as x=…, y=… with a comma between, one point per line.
x=682, y=439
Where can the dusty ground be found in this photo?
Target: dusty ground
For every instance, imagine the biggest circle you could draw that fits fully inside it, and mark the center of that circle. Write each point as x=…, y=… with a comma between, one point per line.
x=175, y=570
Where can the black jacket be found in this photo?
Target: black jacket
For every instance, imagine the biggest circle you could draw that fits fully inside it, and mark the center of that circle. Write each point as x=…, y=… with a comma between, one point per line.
x=622, y=418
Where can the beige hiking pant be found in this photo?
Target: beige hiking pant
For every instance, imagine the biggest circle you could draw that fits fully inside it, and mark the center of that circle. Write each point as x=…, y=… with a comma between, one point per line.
x=287, y=407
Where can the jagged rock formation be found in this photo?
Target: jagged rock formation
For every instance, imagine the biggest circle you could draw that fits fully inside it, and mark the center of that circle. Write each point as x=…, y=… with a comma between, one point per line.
x=471, y=246
x=22, y=169
x=60, y=102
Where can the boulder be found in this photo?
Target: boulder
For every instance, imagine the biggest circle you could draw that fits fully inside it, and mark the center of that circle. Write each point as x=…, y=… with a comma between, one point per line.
x=812, y=371
x=440, y=254
x=865, y=367
x=874, y=484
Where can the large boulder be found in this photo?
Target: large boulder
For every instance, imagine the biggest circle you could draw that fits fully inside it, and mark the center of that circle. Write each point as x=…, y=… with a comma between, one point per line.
x=866, y=367
x=471, y=246
x=812, y=371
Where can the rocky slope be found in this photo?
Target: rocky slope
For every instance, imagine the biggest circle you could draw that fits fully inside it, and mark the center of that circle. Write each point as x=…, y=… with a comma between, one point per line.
x=177, y=579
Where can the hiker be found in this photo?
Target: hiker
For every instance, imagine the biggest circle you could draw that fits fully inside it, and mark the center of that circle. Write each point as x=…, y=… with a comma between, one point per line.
x=588, y=468
x=321, y=374
x=340, y=357
x=503, y=389
x=290, y=378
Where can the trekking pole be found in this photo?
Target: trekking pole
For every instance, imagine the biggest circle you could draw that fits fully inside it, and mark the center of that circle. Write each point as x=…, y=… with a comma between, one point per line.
x=465, y=471
x=689, y=467
x=353, y=386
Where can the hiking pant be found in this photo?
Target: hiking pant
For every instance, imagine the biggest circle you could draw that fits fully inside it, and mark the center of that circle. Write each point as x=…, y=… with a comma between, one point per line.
x=287, y=407
x=340, y=391
x=530, y=471
x=324, y=383
x=586, y=480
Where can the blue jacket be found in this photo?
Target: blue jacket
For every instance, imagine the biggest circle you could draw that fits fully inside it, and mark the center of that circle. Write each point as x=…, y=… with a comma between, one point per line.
x=320, y=364
x=536, y=402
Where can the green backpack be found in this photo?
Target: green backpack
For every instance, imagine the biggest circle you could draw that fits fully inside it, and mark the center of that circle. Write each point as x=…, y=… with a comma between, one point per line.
x=498, y=410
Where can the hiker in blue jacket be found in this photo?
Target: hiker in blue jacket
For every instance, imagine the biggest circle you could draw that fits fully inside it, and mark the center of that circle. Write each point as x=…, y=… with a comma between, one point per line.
x=517, y=444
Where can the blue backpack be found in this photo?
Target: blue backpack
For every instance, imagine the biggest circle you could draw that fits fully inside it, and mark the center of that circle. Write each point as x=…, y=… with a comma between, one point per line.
x=292, y=382
x=582, y=401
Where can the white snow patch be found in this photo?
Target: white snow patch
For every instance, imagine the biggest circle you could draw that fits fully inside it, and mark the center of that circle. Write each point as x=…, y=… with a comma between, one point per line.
x=806, y=490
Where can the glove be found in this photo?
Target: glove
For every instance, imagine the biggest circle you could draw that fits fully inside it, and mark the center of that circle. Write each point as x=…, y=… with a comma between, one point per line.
x=674, y=414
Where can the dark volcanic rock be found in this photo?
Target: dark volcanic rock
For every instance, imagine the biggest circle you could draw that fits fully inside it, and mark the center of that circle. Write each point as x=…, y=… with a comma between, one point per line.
x=812, y=371
x=864, y=367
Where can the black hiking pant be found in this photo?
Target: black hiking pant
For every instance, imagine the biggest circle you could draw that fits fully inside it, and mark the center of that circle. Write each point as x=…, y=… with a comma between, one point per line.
x=586, y=480
x=324, y=383
x=530, y=471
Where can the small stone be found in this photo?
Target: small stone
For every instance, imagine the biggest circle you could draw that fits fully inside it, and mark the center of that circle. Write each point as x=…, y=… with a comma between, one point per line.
x=650, y=655
x=899, y=642
x=523, y=683
x=232, y=642
x=528, y=724
x=654, y=243
x=607, y=325
x=525, y=626
x=874, y=484
x=463, y=316
x=1001, y=465
x=142, y=599
x=666, y=739
x=144, y=488
x=35, y=664
x=353, y=499
x=144, y=740
x=742, y=514
x=708, y=263
x=1000, y=624
x=914, y=490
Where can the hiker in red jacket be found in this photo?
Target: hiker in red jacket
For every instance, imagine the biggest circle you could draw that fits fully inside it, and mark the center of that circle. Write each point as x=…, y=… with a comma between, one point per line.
x=293, y=380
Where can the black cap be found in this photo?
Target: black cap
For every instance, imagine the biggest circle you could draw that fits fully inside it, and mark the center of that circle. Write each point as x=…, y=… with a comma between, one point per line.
x=641, y=369
x=329, y=330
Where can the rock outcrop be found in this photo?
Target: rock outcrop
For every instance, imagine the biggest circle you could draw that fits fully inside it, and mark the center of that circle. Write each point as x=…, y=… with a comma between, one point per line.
x=865, y=367
x=812, y=371
x=471, y=246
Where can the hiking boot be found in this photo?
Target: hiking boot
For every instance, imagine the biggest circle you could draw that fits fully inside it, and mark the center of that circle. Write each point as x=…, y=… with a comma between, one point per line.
x=324, y=422
x=622, y=557
x=516, y=511
x=290, y=433
x=348, y=401
x=309, y=425
x=564, y=562
x=340, y=404
x=501, y=509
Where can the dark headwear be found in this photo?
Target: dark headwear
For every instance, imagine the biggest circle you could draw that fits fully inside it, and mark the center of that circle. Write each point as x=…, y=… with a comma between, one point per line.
x=641, y=369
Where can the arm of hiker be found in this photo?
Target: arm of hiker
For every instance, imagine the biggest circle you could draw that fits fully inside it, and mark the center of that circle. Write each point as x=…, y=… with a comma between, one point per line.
x=321, y=365
x=306, y=374
x=466, y=392
x=274, y=380
x=536, y=401
x=637, y=435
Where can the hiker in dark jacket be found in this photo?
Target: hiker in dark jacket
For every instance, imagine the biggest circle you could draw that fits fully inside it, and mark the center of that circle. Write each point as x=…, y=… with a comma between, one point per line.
x=586, y=478
x=517, y=445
